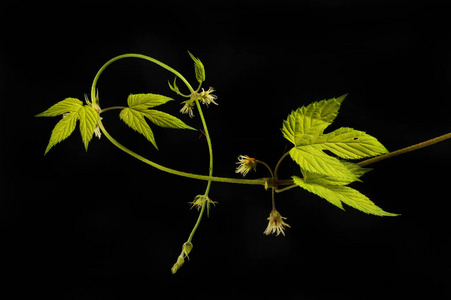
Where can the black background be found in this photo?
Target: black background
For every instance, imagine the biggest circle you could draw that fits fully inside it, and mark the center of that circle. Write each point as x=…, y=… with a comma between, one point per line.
x=102, y=225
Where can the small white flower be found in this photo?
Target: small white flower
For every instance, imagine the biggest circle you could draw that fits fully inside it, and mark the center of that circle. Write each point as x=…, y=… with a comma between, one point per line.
x=207, y=97
x=276, y=223
x=246, y=164
x=97, y=132
x=188, y=108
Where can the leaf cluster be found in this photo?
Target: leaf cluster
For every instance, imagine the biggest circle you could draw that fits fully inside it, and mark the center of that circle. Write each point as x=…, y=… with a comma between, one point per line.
x=322, y=174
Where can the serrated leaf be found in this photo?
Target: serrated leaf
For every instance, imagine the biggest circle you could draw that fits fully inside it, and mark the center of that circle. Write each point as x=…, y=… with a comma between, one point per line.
x=135, y=120
x=67, y=105
x=72, y=110
x=62, y=130
x=143, y=101
x=165, y=120
x=349, y=143
x=311, y=120
x=139, y=104
x=357, y=170
x=88, y=122
x=304, y=128
x=315, y=161
x=198, y=68
x=319, y=190
x=336, y=194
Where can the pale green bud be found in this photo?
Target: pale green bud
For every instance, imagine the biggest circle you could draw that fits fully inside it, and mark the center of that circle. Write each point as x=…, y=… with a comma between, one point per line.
x=178, y=264
x=187, y=247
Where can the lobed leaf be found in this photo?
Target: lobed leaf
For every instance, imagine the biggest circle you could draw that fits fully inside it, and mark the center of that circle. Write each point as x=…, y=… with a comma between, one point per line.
x=135, y=120
x=310, y=121
x=304, y=128
x=72, y=110
x=143, y=101
x=349, y=143
x=67, y=105
x=62, y=130
x=357, y=170
x=88, y=122
x=139, y=104
x=165, y=120
x=336, y=194
x=315, y=161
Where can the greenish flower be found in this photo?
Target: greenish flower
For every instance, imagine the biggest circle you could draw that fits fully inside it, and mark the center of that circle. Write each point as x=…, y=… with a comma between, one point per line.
x=206, y=97
x=276, y=223
x=188, y=108
x=199, y=201
x=246, y=164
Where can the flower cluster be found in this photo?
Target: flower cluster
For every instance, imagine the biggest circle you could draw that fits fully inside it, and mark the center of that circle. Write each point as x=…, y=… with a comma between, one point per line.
x=205, y=97
x=276, y=223
x=246, y=164
x=199, y=201
x=188, y=108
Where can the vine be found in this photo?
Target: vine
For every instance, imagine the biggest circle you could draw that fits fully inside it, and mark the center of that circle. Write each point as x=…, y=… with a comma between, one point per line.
x=327, y=176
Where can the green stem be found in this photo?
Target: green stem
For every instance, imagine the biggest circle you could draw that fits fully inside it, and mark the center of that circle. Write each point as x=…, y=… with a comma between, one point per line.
x=210, y=173
x=190, y=238
x=151, y=163
x=273, y=200
x=210, y=148
x=134, y=55
x=371, y=160
x=267, y=167
x=111, y=108
x=176, y=172
x=276, y=169
x=405, y=150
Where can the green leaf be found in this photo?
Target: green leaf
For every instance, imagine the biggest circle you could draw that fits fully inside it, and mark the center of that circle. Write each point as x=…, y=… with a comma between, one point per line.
x=336, y=194
x=350, y=144
x=139, y=104
x=320, y=190
x=135, y=119
x=315, y=161
x=304, y=128
x=72, y=110
x=198, y=68
x=311, y=120
x=88, y=122
x=143, y=101
x=356, y=170
x=165, y=120
x=62, y=130
x=65, y=106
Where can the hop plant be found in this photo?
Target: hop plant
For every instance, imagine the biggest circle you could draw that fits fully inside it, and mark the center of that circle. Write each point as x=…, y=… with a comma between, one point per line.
x=325, y=174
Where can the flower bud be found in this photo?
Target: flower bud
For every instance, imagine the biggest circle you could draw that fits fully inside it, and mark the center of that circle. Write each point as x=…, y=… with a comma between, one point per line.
x=178, y=264
x=187, y=247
